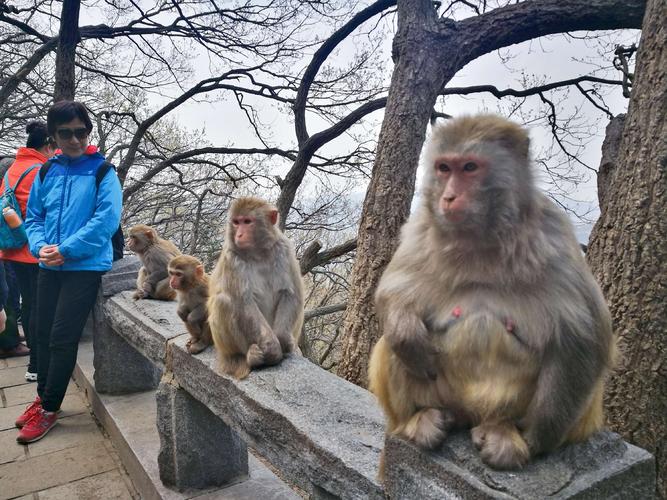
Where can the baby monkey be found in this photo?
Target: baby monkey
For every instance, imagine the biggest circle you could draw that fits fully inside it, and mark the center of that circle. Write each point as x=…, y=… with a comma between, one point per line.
x=187, y=277
x=154, y=253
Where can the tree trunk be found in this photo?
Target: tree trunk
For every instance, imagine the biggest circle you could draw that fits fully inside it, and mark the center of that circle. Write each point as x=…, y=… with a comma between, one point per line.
x=417, y=78
x=628, y=252
x=68, y=39
x=428, y=52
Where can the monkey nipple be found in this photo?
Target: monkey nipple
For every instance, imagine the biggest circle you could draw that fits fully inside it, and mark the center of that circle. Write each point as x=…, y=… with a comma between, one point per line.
x=456, y=312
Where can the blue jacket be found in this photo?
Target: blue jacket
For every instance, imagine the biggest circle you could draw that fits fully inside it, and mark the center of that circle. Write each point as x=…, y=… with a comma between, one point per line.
x=67, y=209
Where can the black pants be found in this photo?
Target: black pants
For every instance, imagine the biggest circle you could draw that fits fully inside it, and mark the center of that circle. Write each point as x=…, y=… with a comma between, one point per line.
x=26, y=276
x=9, y=338
x=64, y=299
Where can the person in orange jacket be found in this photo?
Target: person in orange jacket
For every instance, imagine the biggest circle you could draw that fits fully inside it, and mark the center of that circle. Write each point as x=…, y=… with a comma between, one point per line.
x=38, y=150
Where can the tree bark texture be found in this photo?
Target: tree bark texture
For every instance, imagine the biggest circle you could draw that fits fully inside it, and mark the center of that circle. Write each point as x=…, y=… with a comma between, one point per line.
x=415, y=83
x=428, y=52
x=68, y=39
x=628, y=252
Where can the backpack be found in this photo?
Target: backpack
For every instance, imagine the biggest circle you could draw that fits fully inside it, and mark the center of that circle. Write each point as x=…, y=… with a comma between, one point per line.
x=12, y=237
x=118, y=239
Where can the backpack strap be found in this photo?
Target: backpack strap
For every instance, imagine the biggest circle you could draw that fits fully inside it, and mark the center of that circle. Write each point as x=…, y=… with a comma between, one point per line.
x=26, y=172
x=45, y=168
x=102, y=171
x=13, y=188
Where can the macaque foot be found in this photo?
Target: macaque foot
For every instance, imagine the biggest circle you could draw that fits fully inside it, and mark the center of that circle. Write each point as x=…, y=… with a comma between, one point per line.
x=428, y=427
x=139, y=294
x=254, y=356
x=500, y=445
x=196, y=347
x=271, y=349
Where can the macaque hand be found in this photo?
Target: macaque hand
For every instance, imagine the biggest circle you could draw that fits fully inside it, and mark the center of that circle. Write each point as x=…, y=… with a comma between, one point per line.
x=139, y=294
x=270, y=346
x=417, y=354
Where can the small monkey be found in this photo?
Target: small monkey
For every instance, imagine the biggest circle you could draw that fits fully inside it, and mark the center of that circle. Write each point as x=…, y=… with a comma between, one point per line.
x=256, y=292
x=187, y=277
x=154, y=253
x=490, y=316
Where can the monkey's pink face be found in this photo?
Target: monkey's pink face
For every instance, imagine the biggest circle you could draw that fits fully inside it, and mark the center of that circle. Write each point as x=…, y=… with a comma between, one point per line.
x=176, y=279
x=244, y=231
x=137, y=242
x=460, y=176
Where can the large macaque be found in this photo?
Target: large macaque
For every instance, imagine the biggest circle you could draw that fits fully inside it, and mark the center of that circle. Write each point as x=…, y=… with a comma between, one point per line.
x=490, y=316
x=155, y=254
x=187, y=277
x=256, y=292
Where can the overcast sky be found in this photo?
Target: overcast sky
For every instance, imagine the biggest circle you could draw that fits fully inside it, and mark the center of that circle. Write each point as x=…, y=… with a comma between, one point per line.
x=549, y=59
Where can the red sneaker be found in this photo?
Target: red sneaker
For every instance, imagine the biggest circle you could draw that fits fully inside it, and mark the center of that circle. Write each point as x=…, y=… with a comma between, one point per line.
x=33, y=408
x=37, y=427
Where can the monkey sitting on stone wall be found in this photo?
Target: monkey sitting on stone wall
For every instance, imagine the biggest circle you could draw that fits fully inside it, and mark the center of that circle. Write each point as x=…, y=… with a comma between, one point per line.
x=154, y=253
x=491, y=318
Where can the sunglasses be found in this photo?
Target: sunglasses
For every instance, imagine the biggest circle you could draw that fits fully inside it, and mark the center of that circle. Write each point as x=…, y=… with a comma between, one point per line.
x=65, y=134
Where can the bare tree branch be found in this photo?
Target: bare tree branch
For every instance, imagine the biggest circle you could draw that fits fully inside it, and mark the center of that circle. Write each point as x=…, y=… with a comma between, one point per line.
x=312, y=257
x=13, y=81
x=323, y=311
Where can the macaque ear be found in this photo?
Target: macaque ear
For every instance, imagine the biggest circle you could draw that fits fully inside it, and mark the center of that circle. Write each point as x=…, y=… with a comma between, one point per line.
x=199, y=271
x=273, y=217
x=149, y=235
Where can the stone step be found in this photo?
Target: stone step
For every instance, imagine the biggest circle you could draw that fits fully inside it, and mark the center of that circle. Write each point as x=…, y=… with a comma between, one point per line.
x=130, y=421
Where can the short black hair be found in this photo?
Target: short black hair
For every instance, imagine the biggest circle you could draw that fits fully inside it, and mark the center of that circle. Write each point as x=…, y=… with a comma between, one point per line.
x=38, y=136
x=66, y=111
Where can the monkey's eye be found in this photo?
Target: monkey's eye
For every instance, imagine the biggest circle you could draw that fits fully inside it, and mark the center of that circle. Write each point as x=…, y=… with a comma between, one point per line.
x=443, y=167
x=247, y=221
x=470, y=167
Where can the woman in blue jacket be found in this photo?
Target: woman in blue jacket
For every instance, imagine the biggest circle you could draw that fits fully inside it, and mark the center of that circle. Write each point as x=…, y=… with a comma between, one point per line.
x=70, y=220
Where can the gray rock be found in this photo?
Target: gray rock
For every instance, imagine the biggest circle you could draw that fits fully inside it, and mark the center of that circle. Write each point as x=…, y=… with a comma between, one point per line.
x=121, y=277
x=602, y=467
x=119, y=367
x=146, y=324
x=321, y=432
x=197, y=449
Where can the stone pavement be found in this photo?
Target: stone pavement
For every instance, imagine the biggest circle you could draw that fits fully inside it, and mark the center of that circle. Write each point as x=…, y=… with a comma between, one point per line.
x=74, y=461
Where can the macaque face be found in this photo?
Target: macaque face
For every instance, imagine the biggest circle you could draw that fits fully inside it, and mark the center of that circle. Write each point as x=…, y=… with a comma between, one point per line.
x=245, y=227
x=460, y=177
x=175, y=279
x=138, y=241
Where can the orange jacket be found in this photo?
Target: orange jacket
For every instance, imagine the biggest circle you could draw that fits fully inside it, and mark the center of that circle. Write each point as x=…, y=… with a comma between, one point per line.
x=25, y=158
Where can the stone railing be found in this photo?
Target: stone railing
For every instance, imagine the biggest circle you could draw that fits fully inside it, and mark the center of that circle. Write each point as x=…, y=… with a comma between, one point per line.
x=321, y=433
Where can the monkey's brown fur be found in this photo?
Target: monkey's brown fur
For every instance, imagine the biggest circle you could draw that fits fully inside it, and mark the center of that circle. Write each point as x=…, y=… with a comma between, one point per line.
x=154, y=253
x=188, y=278
x=495, y=321
x=256, y=295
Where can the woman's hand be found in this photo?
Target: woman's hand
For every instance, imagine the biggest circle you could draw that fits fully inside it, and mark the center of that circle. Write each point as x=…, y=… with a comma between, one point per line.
x=49, y=255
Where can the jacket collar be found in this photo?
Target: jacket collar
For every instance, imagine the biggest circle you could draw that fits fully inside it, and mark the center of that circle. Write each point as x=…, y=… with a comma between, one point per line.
x=91, y=152
x=29, y=154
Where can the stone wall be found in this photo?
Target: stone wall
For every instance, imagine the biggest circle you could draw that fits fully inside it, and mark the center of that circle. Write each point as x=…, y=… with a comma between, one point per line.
x=320, y=432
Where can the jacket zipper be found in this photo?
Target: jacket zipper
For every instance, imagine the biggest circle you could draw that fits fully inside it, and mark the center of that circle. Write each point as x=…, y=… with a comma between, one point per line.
x=62, y=199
